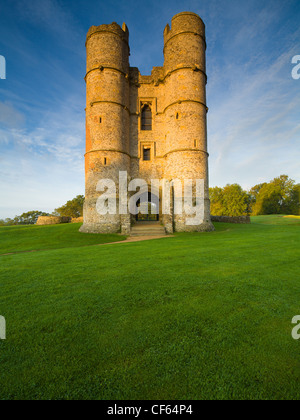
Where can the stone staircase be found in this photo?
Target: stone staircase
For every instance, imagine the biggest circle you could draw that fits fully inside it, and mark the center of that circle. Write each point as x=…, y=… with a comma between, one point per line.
x=148, y=229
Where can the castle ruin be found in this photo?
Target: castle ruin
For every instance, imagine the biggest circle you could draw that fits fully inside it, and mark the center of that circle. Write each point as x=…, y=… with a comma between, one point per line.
x=152, y=127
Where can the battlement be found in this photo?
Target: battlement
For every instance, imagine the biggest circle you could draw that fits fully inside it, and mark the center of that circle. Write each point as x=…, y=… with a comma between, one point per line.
x=182, y=23
x=113, y=28
x=107, y=46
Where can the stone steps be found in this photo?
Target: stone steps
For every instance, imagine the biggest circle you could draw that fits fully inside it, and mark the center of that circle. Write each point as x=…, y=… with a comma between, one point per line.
x=148, y=229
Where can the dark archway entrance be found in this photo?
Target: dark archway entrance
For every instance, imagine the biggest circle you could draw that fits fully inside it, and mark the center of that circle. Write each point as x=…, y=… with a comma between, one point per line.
x=148, y=205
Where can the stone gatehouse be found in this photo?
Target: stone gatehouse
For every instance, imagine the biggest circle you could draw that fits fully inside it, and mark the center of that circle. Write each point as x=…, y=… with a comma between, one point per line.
x=152, y=127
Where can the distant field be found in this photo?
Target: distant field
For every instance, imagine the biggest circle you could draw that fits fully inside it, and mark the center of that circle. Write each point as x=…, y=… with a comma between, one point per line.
x=276, y=219
x=197, y=316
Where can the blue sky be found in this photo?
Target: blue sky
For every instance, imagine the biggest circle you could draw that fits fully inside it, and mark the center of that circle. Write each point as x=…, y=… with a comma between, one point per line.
x=254, y=117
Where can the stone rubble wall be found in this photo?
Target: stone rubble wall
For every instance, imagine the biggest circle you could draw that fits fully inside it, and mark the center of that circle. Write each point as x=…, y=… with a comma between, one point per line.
x=228, y=219
x=52, y=220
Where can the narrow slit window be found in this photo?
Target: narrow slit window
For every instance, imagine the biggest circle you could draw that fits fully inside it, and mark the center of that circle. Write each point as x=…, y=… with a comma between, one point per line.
x=105, y=161
x=177, y=116
x=100, y=120
x=146, y=118
x=147, y=154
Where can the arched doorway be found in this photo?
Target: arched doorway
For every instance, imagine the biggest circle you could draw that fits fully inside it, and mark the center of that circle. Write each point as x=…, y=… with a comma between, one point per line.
x=148, y=205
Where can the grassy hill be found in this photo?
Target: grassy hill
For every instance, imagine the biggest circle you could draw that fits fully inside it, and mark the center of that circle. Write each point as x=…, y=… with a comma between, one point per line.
x=276, y=219
x=29, y=238
x=197, y=316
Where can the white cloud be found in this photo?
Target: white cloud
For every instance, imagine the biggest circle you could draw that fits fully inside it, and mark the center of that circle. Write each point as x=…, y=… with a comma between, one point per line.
x=253, y=127
x=44, y=167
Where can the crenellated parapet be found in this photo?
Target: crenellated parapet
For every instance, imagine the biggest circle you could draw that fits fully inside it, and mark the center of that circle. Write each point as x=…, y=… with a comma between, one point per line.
x=107, y=46
x=184, y=43
x=114, y=28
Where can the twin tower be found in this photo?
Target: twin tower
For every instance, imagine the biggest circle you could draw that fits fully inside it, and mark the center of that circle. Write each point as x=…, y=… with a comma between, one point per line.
x=152, y=127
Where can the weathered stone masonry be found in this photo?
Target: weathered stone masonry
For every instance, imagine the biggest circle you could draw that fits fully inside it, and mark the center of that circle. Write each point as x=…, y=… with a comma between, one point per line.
x=117, y=96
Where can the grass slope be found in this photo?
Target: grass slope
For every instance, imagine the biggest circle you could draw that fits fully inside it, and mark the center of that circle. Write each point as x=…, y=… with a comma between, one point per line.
x=276, y=219
x=29, y=238
x=198, y=316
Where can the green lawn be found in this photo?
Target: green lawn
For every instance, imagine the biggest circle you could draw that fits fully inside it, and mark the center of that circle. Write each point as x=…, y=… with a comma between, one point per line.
x=276, y=219
x=198, y=316
x=28, y=238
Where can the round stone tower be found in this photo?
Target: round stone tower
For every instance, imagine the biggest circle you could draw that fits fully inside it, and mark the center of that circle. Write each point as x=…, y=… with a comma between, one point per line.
x=107, y=120
x=186, y=110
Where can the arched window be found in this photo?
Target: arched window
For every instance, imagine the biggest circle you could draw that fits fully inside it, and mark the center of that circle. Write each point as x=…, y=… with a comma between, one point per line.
x=146, y=118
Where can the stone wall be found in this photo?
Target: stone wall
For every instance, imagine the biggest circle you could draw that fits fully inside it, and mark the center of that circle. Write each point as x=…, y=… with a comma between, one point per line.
x=228, y=219
x=52, y=220
x=77, y=220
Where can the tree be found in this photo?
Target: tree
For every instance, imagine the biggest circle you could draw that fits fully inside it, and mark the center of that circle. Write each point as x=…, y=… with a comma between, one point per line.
x=29, y=218
x=232, y=200
x=235, y=200
x=73, y=208
x=253, y=193
x=295, y=200
x=9, y=222
x=280, y=196
x=216, y=201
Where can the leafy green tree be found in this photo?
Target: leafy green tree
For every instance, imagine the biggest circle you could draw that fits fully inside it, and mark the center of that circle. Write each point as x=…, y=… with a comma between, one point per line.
x=235, y=200
x=295, y=200
x=280, y=196
x=29, y=218
x=268, y=201
x=253, y=193
x=9, y=222
x=232, y=200
x=216, y=201
x=73, y=208
x=256, y=189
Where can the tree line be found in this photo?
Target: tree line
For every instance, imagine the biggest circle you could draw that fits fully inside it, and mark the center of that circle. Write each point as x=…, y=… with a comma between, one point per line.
x=279, y=196
x=73, y=208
